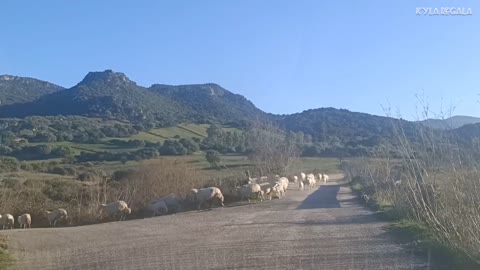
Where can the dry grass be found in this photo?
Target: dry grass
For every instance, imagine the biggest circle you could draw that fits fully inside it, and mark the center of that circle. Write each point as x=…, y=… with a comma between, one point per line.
x=434, y=181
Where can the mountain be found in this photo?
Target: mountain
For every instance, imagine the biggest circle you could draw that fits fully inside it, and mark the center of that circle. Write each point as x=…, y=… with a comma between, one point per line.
x=349, y=127
x=211, y=101
x=104, y=94
x=15, y=89
x=450, y=123
x=111, y=94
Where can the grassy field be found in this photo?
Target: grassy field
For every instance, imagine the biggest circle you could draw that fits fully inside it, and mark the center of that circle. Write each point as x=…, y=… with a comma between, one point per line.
x=232, y=165
x=154, y=135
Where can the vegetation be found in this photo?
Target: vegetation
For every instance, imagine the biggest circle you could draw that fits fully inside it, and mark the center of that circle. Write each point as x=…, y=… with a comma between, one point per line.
x=213, y=157
x=432, y=183
x=15, y=89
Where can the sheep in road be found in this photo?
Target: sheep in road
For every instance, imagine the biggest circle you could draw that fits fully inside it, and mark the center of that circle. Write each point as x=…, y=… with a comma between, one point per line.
x=303, y=176
x=325, y=177
x=56, y=215
x=283, y=181
x=311, y=176
x=173, y=203
x=7, y=221
x=158, y=207
x=118, y=208
x=25, y=221
x=295, y=179
x=246, y=191
x=309, y=181
x=209, y=194
x=300, y=185
x=272, y=189
x=277, y=190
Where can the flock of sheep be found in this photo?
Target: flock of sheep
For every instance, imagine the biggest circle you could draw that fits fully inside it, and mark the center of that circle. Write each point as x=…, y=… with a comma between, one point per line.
x=255, y=188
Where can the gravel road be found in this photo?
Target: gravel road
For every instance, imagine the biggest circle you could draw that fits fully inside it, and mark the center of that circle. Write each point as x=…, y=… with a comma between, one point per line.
x=323, y=228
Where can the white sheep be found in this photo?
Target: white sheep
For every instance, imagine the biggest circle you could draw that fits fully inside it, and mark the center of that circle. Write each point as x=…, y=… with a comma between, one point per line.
x=295, y=179
x=246, y=191
x=283, y=181
x=277, y=190
x=311, y=178
x=157, y=207
x=300, y=185
x=7, y=221
x=174, y=203
x=56, y=215
x=325, y=178
x=25, y=221
x=117, y=208
x=303, y=176
x=272, y=189
x=266, y=187
x=208, y=194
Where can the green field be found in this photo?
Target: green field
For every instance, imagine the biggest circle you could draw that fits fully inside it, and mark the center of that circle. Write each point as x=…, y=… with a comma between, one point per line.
x=154, y=135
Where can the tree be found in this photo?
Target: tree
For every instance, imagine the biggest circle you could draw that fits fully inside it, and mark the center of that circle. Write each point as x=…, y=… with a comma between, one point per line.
x=190, y=145
x=213, y=157
x=272, y=148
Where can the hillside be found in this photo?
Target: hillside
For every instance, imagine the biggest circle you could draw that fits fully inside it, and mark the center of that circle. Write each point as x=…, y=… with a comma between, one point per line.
x=105, y=94
x=349, y=127
x=211, y=101
x=451, y=122
x=113, y=95
x=15, y=89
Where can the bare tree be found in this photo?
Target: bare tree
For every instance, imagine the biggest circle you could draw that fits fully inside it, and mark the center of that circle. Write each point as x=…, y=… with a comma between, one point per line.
x=273, y=149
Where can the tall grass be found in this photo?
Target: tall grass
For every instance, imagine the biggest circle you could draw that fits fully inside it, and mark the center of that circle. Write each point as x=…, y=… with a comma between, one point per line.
x=430, y=177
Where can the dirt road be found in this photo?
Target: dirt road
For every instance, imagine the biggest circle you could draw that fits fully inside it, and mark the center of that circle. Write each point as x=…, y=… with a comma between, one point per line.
x=320, y=229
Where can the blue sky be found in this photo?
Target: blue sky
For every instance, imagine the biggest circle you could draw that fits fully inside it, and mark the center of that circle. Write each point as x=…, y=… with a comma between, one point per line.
x=285, y=56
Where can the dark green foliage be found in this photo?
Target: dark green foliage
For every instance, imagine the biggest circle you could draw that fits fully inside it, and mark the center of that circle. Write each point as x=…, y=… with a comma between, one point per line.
x=190, y=145
x=173, y=147
x=213, y=157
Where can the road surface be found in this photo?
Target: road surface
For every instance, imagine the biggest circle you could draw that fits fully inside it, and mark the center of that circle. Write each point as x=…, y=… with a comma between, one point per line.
x=323, y=228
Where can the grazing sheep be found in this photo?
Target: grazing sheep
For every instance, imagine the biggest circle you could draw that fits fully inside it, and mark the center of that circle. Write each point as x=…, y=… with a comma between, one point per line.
x=25, y=221
x=7, y=221
x=277, y=191
x=173, y=203
x=191, y=199
x=157, y=207
x=246, y=191
x=303, y=176
x=118, y=208
x=311, y=176
x=283, y=181
x=209, y=194
x=266, y=187
x=309, y=181
x=272, y=189
x=56, y=215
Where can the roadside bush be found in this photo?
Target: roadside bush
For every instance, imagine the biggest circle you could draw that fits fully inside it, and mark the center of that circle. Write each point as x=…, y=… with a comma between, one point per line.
x=432, y=182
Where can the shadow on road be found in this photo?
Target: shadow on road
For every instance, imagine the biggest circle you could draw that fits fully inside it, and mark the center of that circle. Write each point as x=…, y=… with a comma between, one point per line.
x=324, y=197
